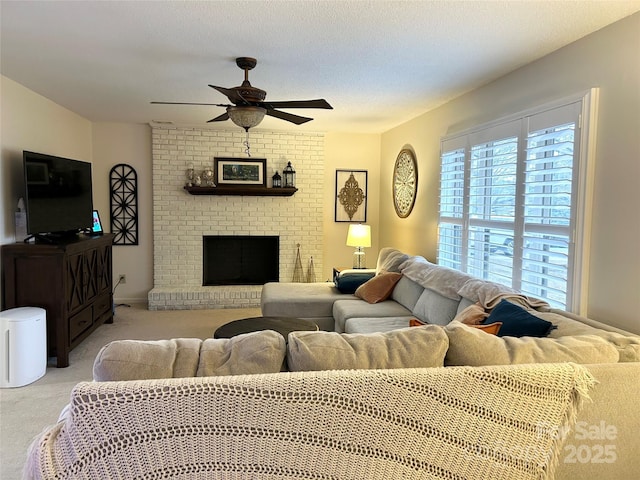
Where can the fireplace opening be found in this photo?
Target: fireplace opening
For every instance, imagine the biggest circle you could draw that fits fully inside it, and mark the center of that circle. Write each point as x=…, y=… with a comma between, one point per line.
x=240, y=260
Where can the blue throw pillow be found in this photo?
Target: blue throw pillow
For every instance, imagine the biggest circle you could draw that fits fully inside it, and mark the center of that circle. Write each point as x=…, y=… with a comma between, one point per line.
x=517, y=322
x=349, y=283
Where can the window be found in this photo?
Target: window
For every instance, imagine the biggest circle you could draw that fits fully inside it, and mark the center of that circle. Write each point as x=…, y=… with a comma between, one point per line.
x=513, y=201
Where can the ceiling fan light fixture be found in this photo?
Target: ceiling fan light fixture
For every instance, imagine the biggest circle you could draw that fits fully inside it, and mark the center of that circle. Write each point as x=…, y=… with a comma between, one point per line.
x=246, y=116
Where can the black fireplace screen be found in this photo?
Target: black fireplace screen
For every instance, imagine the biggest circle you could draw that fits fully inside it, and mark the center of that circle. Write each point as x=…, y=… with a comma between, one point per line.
x=240, y=260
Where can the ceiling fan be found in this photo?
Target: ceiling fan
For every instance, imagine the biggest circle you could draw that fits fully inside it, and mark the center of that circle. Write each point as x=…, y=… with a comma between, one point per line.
x=249, y=105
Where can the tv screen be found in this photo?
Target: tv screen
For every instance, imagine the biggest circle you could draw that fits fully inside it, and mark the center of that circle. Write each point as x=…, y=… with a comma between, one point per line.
x=58, y=194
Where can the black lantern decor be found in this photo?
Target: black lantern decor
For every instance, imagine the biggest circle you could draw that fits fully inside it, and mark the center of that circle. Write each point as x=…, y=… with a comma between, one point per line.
x=277, y=180
x=289, y=175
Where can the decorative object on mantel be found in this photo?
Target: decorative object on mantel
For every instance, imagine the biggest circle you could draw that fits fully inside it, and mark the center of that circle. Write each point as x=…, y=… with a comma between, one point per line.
x=123, y=182
x=190, y=174
x=276, y=180
x=311, y=274
x=351, y=196
x=242, y=172
x=359, y=236
x=207, y=177
x=289, y=176
x=405, y=182
x=298, y=274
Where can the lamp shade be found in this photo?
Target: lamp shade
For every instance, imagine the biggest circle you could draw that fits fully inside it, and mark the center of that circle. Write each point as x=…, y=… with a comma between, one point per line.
x=359, y=235
x=246, y=117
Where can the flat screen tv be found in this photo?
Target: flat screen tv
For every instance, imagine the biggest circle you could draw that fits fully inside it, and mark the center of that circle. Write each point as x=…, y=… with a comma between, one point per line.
x=58, y=195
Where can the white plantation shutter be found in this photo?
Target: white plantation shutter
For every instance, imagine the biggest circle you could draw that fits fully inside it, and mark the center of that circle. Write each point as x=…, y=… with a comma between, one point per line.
x=548, y=213
x=492, y=193
x=451, y=209
x=508, y=202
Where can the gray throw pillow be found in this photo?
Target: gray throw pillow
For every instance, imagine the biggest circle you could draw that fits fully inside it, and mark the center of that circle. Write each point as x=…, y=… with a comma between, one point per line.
x=403, y=348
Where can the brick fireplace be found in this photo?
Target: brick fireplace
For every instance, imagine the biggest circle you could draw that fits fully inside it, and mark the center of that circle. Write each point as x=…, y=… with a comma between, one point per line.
x=180, y=220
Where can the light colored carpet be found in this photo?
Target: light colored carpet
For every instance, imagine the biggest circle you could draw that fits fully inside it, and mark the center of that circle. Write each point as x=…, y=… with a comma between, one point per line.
x=25, y=411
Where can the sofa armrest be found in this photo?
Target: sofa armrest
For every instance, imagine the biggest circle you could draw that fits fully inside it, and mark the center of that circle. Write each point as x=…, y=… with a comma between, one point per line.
x=604, y=443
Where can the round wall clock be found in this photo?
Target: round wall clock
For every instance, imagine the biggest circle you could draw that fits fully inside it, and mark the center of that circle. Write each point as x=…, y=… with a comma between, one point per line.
x=405, y=183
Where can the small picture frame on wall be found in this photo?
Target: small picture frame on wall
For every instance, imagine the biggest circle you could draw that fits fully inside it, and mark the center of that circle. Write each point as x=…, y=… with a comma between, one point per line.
x=244, y=172
x=351, y=196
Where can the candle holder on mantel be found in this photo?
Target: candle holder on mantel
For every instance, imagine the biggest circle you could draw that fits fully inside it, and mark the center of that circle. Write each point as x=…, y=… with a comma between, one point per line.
x=289, y=176
x=276, y=180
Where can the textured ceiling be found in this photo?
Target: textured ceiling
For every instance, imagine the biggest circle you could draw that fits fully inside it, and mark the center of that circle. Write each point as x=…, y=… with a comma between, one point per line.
x=379, y=63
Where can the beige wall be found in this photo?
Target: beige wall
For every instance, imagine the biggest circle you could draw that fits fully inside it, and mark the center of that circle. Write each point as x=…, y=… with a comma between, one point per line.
x=31, y=122
x=115, y=143
x=349, y=151
x=608, y=59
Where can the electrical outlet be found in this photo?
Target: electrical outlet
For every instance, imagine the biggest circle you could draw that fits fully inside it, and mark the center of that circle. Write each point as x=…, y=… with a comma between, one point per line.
x=122, y=278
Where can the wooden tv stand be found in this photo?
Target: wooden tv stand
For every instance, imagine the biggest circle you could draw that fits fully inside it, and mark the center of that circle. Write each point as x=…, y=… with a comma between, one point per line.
x=71, y=280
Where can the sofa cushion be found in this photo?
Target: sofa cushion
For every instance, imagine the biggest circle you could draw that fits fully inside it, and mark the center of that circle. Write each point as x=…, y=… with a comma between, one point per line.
x=348, y=282
x=256, y=352
x=379, y=288
x=470, y=346
x=404, y=348
x=142, y=360
x=375, y=324
x=407, y=292
x=249, y=353
x=310, y=300
x=628, y=346
x=435, y=308
x=343, y=310
x=517, y=322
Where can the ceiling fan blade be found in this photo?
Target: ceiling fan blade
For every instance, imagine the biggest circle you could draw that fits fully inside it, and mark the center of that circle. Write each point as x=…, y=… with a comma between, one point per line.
x=319, y=103
x=220, y=118
x=289, y=117
x=231, y=94
x=190, y=103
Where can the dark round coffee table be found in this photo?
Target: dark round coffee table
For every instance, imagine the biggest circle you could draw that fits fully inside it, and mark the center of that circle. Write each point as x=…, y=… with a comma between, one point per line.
x=283, y=325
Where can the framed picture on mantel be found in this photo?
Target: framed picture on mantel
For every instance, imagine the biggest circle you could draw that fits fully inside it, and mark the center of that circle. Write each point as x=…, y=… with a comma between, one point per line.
x=243, y=172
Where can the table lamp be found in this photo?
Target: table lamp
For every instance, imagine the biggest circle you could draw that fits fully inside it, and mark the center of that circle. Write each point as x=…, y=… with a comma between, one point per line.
x=359, y=236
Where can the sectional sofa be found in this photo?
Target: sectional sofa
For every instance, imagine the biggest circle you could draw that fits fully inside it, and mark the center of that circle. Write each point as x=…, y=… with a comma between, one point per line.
x=426, y=292
x=373, y=402
x=221, y=408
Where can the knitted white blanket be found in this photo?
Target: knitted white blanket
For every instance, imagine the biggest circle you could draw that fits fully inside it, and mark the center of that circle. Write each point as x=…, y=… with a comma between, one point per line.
x=453, y=423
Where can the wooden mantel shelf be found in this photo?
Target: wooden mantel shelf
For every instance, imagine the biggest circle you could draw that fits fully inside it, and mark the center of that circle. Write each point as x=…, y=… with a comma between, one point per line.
x=240, y=190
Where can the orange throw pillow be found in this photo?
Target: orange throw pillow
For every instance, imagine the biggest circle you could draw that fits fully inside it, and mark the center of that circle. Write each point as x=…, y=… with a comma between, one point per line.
x=492, y=328
x=379, y=288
